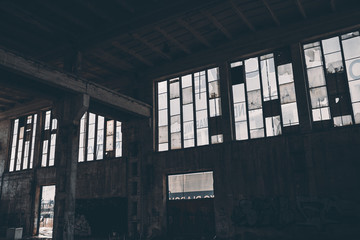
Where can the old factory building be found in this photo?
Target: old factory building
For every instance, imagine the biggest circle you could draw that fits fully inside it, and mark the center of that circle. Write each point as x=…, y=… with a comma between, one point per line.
x=183, y=119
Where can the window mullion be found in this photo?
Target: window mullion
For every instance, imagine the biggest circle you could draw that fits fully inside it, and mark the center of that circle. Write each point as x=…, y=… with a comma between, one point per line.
x=208, y=104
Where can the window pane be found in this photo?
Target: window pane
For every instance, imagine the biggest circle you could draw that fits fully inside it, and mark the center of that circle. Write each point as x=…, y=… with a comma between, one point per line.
x=186, y=81
x=254, y=100
x=110, y=127
x=353, y=69
x=334, y=62
x=200, y=101
x=252, y=81
x=321, y=114
x=316, y=77
x=313, y=57
x=241, y=130
x=251, y=65
x=319, y=97
x=189, y=143
x=285, y=73
x=238, y=93
x=163, y=147
x=287, y=93
x=289, y=114
x=175, y=107
x=268, y=79
x=215, y=107
x=214, y=89
x=163, y=118
x=257, y=133
x=273, y=126
x=216, y=139
x=331, y=45
x=162, y=101
x=355, y=90
x=213, y=74
x=351, y=47
x=201, y=119
x=162, y=87
x=163, y=134
x=188, y=112
x=175, y=124
x=202, y=136
x=189, y=130
x=256, y=119
x=187, y=95
x=356, y=109
x=240, y=112
x=109, y=143
x=174, y=90
x=175, y=140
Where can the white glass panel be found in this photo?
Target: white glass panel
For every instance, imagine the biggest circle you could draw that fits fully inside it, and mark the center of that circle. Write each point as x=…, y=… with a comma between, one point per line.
x=163, y=118
x=252, y=81
x=216, y=139
x=214, y=89
x=163, y=134
x=257, y=133
x=174, y=90
x=175, y=140
x=316, y=77
x=187, y=96
x=215, y=107
x=175, y=107
x=353, y=69
x=186, y=81
x=163, y=147
x=351, y=47
x=321, y=114
x=256, y=119
x=319, y=97
x=289, y=114
x=241, y=130
x=213, y=74
x=162, y=101
x=285, y=73
x=109, y=143
x=355, y=90
x=110, y=127
x=313, y=57
x=189, y=130
x=189, y=143
x=175, y=124
x=201, y=119
x=331, y=45
x=251, y=65
x=238, y=93
x=162, y=87
x=356, y=110
x=334, y=62
x=240, y=112
x=202, y=136
x=273, y=126
x=200, y=101
x=188, y=112
x=268, y=79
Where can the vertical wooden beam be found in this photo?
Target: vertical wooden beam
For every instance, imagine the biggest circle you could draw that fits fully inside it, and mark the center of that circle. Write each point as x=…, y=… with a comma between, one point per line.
x=276, y=20
x=242, y=16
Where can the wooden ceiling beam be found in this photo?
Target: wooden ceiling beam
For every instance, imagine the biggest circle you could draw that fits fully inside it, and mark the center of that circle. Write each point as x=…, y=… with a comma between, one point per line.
x=25, y=108
x=106, y=57
x=276, y=20
x=239, y=12
x=173, y=40
x=132, y=53
x=195, y=33
x=333, y=5
x=42, y=75
x=301, y=8
x=151, y=46
x=217, y=24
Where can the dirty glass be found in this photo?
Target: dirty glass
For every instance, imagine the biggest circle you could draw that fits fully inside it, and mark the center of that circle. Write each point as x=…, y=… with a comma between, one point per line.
x=287, y=93
x=187, y=95
x=273, y=126
x=333, y=62
x=285, y=73
x=213, y=74
x=316, y=77
x=351, y=47
x=241, y=130
x=313, y=57
x=47, y=204
x=33, y=141
x=176, y=140
x=200, y=101
x=342, y=120
x=215, y=107
x=174, y=89
x=268, y=79
x=254, y=99
x=319, y=97
x=214, y=89
x=216, y=139
x=100, y=137
x=321, y=114
x=202, y=136
x=175, y=124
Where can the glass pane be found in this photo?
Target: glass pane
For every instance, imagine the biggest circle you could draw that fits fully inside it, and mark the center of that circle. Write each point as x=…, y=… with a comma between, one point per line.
x=189, y=130
x=110, y=127
x=273, y=126
x=200, y=84
x=356, y=110
x=216, y=139
x=319, y=97
x=287, y=93
x=254, y=100
x=353, y=69
x=91, y=118
x=252, y=81
x=334, y=63
x=162, y=101
x=313, y=57
x=188, y=112
x=285, y=73
x=240, y=112
x=342, y=121
x=241, y=130
x=215, y=107
x=163, y=147
x=174, y=90
x=316, y=77
x=187, y=95
x=351, y=47
x=214, y=89
x=186, y=81
x=289, y=114
x=200, y=101
x=202, y=136
x=355, y=90
x=331, y=45
x=257, y=133
x=238, y=93
x=174, y=106
x=256, y=119
x=251, y=65
x=162, y=87
x=175, y=140
x=163, y=118
x=268, y=79
x=189, y=143
x=175, y=124
x=213, y=74
x=321, y=114
x=201, y=119
x=109, y=143
x=163, y=134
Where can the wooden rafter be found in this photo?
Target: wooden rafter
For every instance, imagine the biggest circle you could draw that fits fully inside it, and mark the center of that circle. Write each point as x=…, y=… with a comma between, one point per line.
x=196, y=34
x=132, y=53
x=173, y=40
x=114, y=60
x=276, y=20
x=242, y=16
x=151, y=46
x=301, y=8
x=217, y=24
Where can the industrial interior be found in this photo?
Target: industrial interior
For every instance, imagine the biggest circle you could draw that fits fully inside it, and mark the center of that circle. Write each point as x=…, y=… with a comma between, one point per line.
x=180, y=120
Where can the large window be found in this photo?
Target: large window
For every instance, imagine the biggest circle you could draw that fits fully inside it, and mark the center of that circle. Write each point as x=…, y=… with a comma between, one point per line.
x=48, y=140
x=333, y=73
x=191, y=186
x=100, y=138
x=264, y=99
x=188, y=110
x=22, y=144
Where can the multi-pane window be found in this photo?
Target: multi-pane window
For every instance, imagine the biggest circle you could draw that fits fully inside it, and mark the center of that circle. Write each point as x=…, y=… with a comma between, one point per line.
x=188, y=110
x=22, y=144
x=332, y=70
x=264, y=99
x=191, y=186
x=49, y=132
x=100, y=138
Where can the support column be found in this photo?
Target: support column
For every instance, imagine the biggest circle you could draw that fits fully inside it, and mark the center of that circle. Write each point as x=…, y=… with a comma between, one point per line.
x=68, y=112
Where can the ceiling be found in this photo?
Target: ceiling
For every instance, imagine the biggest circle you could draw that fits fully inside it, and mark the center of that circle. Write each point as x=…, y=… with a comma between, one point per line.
x=113, y=41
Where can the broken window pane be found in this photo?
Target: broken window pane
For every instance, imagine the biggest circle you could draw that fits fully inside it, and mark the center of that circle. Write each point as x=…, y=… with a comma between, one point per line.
x=213, y=74
x=319, y=97
x=331, y=45
x=334, y=62
x=313, y=57
x=316, y=77
x=287, y=93
x=241, y=130
x=214, y=89
x=353, y=69
x=254, y=100
x=273, y=126
x=351, y=47
x=215, y=107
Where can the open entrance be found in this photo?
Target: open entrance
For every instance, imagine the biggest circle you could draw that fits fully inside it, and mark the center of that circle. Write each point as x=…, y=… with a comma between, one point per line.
x=46, y=216
x=191, y=205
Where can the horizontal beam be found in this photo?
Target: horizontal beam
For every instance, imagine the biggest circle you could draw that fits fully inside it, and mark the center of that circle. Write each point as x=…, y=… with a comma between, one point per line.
x=42, y=73
x=25, y=108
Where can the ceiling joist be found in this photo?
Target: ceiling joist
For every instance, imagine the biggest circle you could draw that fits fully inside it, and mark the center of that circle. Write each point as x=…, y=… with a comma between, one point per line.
x=132, y=53
x=242, y=16
x=196, y=34
x=301, y=8
x=274, y=17
x=217, y=24
x=151, y=46
x=173, y=40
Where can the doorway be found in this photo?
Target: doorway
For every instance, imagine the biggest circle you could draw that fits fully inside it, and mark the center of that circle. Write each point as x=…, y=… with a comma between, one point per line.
x=46, y=216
